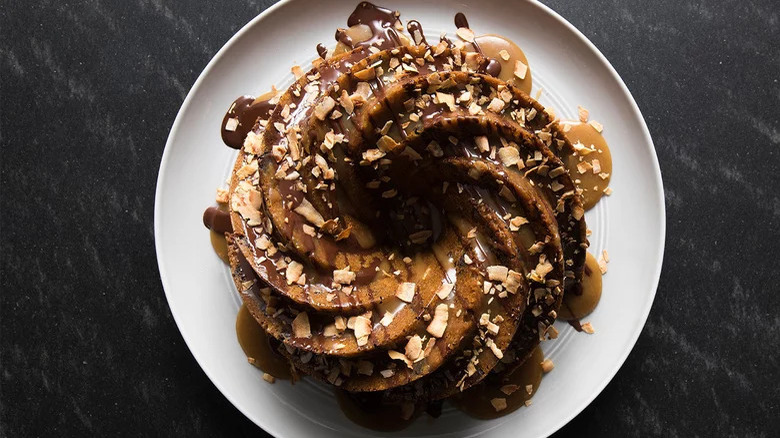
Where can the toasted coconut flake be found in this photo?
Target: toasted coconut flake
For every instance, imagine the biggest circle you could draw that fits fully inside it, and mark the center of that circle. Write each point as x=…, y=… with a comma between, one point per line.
x=300, y=326
x=513, y=281
x=343, y=276
x=499, y=404
x=494, y=348
x=247, y=170
x=397, y=355
x=222, y=195
x=346, y=102
x=583, y=114
x=362, y=330
x=602, y=261
x=497, y=273
x=372, y=155
x=387, y=318
x=340, y=323
x=444, y=290
x=447, y=99
x=294, y=271
x=588, y=328
x=482, y=143
x=496, y=105
x=509, y=389
x=521, y=70
x=439, y=323
x=387, y=144
x=475, y=108
x=406, y=291
x=581, y=149
x=413, y=349
x=308, y=211
x=584, y=167
x=558, y=171
x=596, y=166
x=324, y=107
x=543, y=268
x=297, y=71
x=231, y=124
x=547, y=365
x=330, y=330
x=465, y=34
x=516, y=222
x=503, y=54
x=269, y=378
x=253, y=144
x=509, y=156
x=363, y=89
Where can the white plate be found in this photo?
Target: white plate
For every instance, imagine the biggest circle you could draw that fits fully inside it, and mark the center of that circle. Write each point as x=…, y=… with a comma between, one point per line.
x=630, y=223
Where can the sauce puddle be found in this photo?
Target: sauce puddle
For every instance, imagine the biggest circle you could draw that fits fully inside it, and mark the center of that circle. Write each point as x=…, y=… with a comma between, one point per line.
x=257, y=346
x=514, y=387
x=579, y=306
x=591, y=166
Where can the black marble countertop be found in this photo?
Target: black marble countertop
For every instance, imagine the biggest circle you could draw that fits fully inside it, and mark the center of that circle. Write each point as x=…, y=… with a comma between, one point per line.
x=89, y=90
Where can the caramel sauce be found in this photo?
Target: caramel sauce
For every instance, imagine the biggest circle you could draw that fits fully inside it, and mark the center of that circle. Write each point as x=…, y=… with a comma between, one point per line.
x=367, y=410
x=592, y=184
x=257, y=346
x=490, y=45
x=578, y=306
x=219, y=243
x=217, y=220
x=476, y=401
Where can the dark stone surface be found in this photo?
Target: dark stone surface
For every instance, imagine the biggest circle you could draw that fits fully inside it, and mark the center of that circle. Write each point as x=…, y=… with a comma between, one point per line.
x=89, y=91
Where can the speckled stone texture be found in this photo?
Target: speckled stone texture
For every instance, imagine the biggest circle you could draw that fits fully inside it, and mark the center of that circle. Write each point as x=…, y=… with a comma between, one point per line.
x=89, y=90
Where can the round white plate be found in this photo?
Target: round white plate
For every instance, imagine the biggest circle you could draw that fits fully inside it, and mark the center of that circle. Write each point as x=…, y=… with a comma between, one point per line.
x=629, y=224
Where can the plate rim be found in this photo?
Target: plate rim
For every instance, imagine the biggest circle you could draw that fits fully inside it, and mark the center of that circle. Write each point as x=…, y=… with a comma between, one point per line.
x=657, y=180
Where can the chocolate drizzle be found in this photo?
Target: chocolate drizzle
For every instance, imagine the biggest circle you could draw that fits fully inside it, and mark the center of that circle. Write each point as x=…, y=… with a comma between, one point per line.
x=343, y=38
x=322, y=50
x=380, y=21
x=460, y=20
x=492, y=66
x=416, y=31
x=217, y=220
x=246, y=111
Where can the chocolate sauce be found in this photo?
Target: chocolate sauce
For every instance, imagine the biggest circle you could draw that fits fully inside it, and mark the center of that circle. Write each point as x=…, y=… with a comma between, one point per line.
x=217, y=220
x=246, y=111
x=460, y=20
x=343, y=38
x=322, y=50
x=493, y=67
x=380, y=21
x=416, y=31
